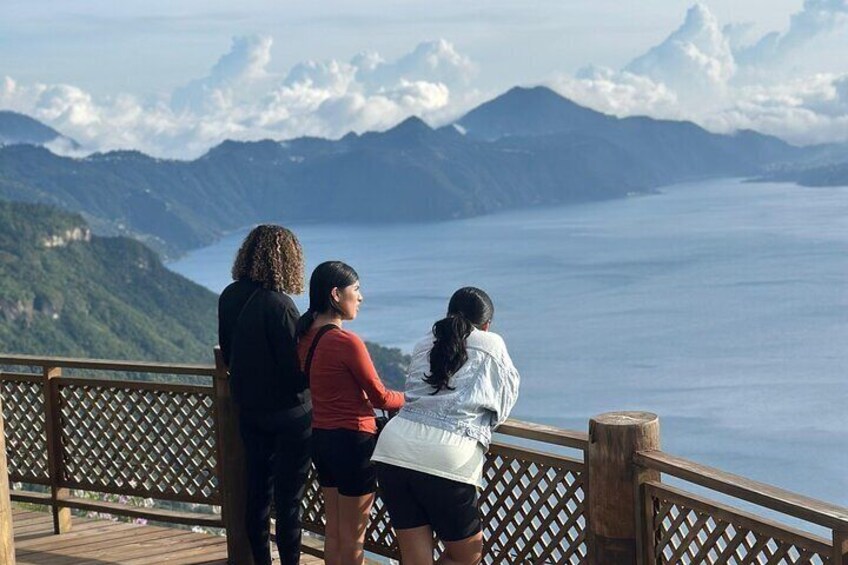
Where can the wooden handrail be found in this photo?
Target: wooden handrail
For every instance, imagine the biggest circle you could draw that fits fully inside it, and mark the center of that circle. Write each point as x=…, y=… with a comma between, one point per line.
x=170, y=516
x=514, y=428
x=176, y=388
x=798, y=506
x=547, y=434
x=108, y=365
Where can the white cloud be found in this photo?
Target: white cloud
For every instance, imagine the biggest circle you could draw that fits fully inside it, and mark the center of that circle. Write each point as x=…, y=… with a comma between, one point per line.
x=695, y=60
x=817, y=17
x=235, y=73
x=437, y=61
x=241, y=99
x=803, y=111
x=699, y=73
x=619, y=93
x=332, y=76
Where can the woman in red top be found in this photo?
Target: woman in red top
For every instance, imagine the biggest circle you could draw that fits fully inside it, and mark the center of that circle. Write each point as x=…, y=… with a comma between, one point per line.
x=345, y=390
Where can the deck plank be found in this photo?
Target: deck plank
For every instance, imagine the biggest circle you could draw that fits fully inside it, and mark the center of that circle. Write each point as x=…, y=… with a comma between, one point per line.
x=102, y=542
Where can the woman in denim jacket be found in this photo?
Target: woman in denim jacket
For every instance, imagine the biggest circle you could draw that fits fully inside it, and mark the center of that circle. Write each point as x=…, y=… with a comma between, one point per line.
x=461, y=385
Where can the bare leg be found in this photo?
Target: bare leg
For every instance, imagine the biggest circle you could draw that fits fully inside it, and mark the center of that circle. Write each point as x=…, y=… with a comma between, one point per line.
x=353, y=514
x=416, y=545
x=468, y=551
x=331, y=536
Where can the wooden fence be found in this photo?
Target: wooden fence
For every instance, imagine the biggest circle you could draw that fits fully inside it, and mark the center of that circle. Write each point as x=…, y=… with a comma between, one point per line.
x=75, y=438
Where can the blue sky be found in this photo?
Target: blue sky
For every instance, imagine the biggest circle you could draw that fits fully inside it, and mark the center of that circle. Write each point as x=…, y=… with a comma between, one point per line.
x=173, y=78
x=145, y=47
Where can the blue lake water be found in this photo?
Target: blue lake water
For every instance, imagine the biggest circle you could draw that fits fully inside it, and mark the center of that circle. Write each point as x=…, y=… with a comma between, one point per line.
x=721, y=306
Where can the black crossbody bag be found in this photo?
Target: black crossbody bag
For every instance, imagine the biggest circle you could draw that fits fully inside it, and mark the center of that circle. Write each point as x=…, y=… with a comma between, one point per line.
x=382, y=420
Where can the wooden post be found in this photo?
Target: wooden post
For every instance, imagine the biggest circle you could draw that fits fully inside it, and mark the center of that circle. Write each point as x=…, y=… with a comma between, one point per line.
x=52, y=420
x=840, y=547
x=646, y=545
x=231, y=471
x=613, y=506
x=7, y=534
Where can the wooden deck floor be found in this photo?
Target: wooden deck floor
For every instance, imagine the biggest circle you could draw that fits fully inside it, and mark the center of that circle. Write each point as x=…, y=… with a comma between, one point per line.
x=100, y=542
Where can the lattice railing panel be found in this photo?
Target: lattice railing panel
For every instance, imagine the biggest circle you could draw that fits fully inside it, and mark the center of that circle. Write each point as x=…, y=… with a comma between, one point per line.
x=140, y=439
x=379, y=537
x=532, y=507
x=688, y=530
x=312, y=505
x=26, y=439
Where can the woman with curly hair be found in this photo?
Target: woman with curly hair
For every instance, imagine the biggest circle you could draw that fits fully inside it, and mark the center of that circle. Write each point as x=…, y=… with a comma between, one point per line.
x=256, y=330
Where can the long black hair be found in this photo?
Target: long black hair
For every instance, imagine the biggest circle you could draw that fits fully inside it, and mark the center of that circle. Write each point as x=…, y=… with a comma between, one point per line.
x=469, y=307
x=325, y=277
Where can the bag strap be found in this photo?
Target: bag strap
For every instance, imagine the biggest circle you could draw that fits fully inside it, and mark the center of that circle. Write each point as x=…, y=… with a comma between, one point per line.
x=239, y=317
x=324, y=329
x=243, y=308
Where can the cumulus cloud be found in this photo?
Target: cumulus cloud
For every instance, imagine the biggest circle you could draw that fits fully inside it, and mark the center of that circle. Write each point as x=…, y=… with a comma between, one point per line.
x=817, y=17
x=695, y=59
x=620, y=93
x=705, y=73
x=437, y=61
x=234, y=73
x=809, y=110
x=240, y=98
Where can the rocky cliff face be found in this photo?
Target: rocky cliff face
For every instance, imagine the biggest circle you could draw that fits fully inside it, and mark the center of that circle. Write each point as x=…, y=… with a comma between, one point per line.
x=11, y=310
x=27, y=310
x=75, y=234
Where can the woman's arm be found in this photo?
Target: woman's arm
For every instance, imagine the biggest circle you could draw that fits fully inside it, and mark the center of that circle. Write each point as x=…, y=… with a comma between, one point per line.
x=499, y=384
x=360, y=365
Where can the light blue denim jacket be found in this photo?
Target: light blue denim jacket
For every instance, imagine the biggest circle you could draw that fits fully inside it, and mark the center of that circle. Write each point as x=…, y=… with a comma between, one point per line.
x=484, y=389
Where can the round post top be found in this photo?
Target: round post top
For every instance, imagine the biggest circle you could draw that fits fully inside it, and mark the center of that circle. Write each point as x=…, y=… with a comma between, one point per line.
x=625, y=418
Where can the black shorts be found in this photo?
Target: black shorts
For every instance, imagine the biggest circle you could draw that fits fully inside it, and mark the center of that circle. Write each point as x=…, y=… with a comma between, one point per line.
x=343, y=460
x=416, y=499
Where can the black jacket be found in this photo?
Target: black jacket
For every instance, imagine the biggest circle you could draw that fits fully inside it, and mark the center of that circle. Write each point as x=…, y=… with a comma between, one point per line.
x=259, y=347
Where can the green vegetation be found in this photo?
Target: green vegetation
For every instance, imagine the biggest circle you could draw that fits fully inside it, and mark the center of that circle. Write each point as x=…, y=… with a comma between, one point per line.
x=94, y=296
x=391, y=364
x=64, y=292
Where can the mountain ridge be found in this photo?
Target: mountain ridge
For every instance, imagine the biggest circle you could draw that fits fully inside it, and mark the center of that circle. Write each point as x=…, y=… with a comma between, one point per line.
x=16, y=128
x=561, y=153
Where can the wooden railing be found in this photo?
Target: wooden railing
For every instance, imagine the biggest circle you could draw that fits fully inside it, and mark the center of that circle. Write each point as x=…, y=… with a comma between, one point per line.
x=681, y=527
x=76, y=436
x=73, y=439
x=532, y=502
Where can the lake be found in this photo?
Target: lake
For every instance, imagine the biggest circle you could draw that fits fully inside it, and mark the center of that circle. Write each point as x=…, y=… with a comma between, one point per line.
x=721, y=306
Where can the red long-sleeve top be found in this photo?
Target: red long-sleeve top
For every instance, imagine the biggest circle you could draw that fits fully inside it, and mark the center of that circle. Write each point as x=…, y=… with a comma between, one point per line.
x=344, y=383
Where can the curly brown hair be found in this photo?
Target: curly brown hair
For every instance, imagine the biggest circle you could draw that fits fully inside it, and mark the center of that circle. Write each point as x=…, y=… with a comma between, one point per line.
x=272, y=256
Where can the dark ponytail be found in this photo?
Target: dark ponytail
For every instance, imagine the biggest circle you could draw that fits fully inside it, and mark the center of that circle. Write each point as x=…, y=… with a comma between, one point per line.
x=325, y=277
x=468, y=308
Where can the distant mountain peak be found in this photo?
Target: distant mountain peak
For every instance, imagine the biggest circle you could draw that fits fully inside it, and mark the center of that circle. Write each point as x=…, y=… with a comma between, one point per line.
x=412, y=124
x=532, y=92
x=411, y=131
x=536, y=110
x=18, y=128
